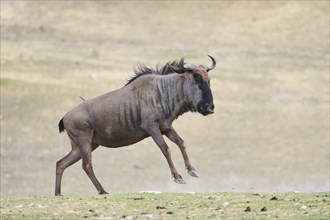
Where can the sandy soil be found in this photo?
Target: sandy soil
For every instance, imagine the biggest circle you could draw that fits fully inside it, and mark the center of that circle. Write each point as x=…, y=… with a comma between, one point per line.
x=270, y=131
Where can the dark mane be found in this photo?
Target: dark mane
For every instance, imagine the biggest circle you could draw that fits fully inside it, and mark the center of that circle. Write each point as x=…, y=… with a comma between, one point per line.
x=159, y=70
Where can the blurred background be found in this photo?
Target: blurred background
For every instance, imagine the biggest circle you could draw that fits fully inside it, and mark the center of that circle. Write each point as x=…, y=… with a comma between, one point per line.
x=270, y=131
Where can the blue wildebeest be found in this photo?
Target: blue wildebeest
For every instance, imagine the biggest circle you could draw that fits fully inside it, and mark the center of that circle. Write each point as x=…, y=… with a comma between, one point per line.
x=146, y=106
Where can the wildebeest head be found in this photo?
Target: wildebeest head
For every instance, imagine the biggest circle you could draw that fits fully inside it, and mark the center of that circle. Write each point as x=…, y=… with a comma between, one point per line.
x=203, y=100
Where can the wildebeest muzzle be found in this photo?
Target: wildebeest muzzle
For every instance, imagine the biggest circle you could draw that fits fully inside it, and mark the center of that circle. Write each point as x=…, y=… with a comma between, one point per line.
x=206, y=106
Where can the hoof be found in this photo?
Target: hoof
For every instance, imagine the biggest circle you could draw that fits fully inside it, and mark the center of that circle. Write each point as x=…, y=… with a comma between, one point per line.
x=192, y=173
x=180, y=181
x=58, y=194
x=102, y=192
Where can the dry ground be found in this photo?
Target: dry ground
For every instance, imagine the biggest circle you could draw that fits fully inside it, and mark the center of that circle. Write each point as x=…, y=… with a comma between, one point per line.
x=270, y=131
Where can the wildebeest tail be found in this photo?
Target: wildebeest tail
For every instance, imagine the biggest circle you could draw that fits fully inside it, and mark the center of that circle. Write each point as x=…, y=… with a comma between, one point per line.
x=61, y=126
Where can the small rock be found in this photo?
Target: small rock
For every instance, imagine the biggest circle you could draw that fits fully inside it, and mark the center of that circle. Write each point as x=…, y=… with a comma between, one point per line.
x=264, y=209
x=303, y=207
x=225, y=204
x=170, y=213
x=19, y=206
x=91, y=210
x=148, y=216
x=151, y=192
x=129, y=217
x=160, y=207
x=248, y=209
x=274, y=198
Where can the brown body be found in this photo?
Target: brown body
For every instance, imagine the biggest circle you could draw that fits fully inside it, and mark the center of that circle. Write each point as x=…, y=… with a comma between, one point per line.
x=145, y=107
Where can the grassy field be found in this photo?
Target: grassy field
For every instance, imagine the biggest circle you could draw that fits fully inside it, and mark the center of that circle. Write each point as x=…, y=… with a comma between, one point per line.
x=171, y=206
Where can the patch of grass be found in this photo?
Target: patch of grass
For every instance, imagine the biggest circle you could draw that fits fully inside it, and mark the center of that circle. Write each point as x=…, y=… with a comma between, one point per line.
x=5, y=81
x=170, y=206
x=95, y=54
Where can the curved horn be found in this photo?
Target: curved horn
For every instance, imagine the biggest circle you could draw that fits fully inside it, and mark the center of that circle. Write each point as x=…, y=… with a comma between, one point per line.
x=214, y=63
x=181, y=62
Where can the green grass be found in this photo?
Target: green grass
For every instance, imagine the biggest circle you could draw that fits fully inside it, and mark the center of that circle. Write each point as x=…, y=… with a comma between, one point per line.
x=95, y=54
x=170, y=206
x=5, y=81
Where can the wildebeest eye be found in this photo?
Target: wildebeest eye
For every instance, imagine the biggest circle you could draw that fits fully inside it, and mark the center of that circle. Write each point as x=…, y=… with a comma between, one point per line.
x=197, y=77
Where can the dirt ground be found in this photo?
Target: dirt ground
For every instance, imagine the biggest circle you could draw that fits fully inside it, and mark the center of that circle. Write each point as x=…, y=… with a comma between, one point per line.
x=270, y=131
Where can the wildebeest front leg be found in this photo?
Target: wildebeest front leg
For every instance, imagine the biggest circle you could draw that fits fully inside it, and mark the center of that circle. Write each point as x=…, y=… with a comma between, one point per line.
x=159, y=140
x=173, y=136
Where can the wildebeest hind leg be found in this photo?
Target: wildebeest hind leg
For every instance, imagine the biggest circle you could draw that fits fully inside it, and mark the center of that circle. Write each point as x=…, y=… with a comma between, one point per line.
x=173, y=136
x=62, y=164
x=86, y=152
